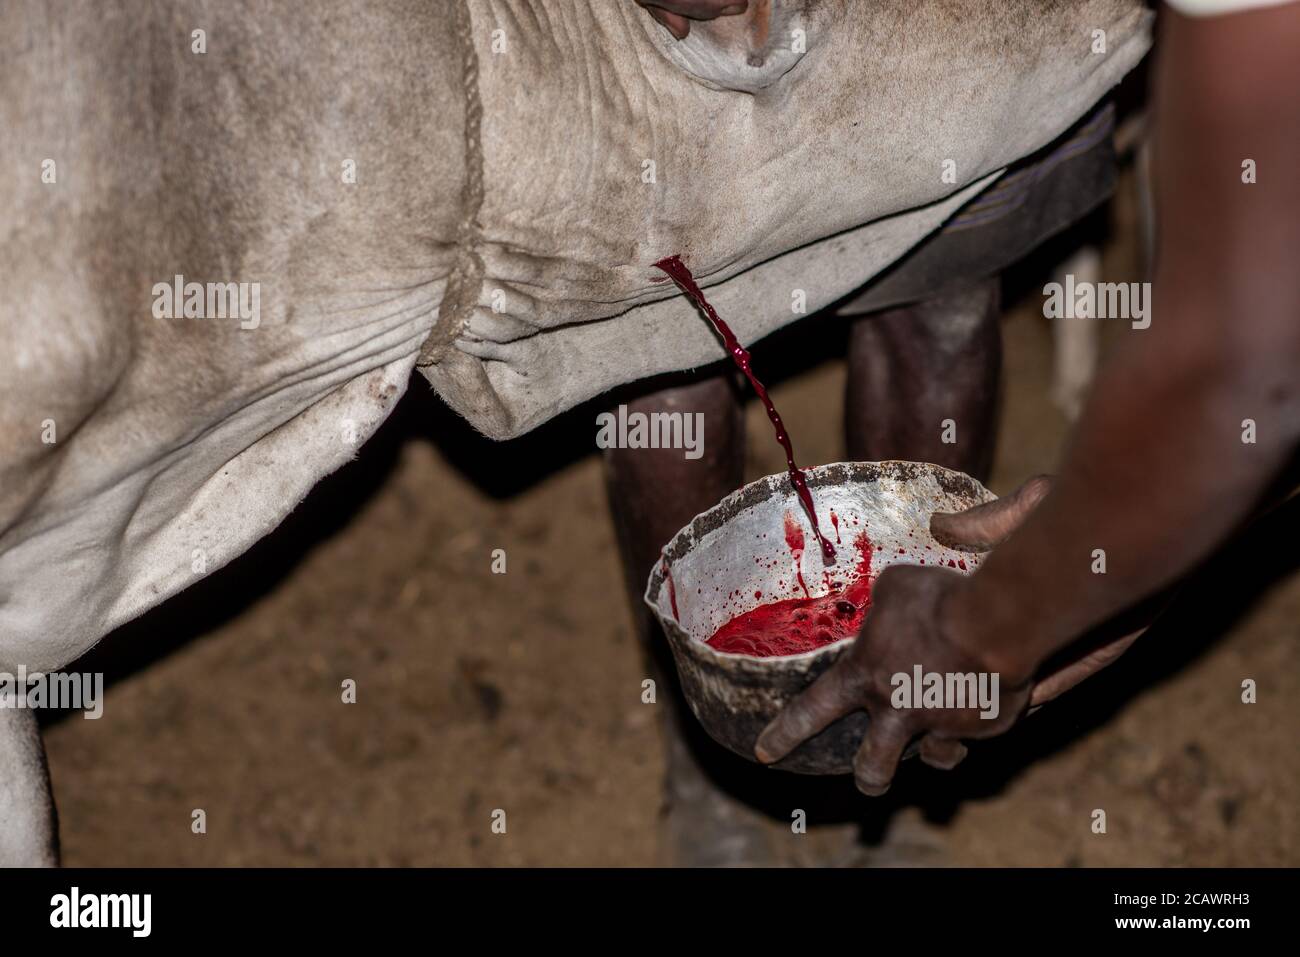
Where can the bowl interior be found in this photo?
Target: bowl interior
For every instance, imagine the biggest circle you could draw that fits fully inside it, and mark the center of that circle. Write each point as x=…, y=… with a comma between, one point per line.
x=738, y=555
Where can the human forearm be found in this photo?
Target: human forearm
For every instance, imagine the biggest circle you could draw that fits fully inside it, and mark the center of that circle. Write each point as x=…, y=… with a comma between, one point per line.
x=1157, y=474
x=1162, y=465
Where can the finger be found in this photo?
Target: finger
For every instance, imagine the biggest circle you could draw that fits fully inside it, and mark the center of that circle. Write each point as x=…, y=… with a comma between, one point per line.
x=878, y=755
x=942, y=753
x=1062, y=680
x=705, y=9
x=985, y=526
x=833, y=695
x=677, y=24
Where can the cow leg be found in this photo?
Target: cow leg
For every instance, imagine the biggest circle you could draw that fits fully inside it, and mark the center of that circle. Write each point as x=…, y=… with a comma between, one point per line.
x=925, y=373
x=652, y=494
x=28, y=833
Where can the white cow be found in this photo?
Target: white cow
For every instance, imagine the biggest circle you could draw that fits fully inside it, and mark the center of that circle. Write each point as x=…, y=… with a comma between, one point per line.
x=229, y=233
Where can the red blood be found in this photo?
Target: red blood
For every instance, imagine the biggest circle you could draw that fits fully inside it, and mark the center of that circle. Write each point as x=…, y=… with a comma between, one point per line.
x=835, y=522
x=677, y=271
x=801, y=624
x=794, y=538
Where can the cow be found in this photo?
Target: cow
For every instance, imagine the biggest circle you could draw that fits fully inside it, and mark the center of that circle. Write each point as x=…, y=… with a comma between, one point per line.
x=229, y=234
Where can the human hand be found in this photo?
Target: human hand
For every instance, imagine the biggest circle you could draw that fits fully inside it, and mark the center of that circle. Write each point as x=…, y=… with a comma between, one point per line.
x=677, y=15
x=905, y=628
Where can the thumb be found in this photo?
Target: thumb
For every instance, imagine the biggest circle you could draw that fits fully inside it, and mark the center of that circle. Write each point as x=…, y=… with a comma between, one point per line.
x=677, y=24
x=986, y=526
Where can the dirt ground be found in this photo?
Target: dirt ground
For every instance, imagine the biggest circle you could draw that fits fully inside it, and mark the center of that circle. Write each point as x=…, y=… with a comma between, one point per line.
x=522, y=691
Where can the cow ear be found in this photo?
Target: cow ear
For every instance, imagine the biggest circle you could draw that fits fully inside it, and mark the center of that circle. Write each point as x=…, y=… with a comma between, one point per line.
x=747, y=51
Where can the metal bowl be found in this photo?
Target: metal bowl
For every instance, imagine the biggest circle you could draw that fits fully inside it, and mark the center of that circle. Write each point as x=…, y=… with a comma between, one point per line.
x=714, y=568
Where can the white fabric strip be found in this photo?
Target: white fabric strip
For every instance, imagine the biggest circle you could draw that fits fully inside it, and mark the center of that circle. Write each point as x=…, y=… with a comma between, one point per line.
x=1207, y=8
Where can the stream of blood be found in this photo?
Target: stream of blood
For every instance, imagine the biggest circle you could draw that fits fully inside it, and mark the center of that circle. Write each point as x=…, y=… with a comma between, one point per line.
x=797, y=624
x=677, y=271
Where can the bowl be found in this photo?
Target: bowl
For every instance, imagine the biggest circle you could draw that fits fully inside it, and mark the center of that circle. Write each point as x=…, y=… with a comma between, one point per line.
x=735, y=557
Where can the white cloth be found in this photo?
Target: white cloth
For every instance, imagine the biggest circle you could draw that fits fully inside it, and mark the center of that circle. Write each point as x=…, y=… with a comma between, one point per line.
x=1209, y=8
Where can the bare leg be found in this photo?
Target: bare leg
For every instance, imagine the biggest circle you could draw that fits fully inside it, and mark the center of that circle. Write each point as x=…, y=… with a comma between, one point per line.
x=719, y=809
x=910, y=368
x=914, y=367
x=652, y=494
x=28, y=834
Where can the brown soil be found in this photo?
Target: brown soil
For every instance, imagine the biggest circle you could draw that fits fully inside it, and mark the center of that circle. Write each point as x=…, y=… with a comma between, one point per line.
x=522, y=691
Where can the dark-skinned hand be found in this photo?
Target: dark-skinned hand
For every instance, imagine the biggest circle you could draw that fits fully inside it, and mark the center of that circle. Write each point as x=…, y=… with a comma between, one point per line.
x=905, y=628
